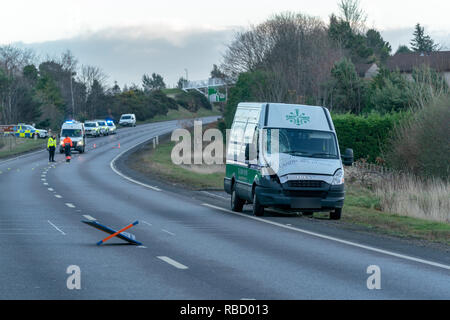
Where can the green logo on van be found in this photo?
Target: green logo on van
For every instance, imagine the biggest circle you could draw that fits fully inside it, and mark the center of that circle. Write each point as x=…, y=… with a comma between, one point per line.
x=298, y=118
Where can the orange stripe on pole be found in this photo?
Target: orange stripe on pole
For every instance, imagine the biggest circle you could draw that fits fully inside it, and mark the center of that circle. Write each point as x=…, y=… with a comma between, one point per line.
x=117, y=233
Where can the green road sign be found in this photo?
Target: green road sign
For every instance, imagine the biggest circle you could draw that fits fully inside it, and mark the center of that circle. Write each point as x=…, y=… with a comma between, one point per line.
x=216, y=96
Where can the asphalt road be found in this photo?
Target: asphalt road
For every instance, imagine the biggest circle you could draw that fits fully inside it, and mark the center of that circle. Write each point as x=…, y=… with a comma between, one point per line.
x=193, y=246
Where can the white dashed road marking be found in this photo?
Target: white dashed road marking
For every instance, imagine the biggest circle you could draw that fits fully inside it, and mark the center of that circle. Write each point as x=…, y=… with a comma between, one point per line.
x=164, y=230
x=173, y=263
x=62, y=232
x=70, y=205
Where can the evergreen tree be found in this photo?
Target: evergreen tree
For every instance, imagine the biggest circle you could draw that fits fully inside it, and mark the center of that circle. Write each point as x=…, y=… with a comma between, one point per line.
x=421, y=42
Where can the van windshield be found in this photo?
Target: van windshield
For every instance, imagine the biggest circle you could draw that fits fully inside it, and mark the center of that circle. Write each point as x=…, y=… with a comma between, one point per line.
x=90, y=125
x=126, y=117
x=71, y=133
x=303, y=143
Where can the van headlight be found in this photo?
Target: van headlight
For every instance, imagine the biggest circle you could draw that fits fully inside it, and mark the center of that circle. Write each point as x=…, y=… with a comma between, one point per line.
x=338, y=178
x=80, y=143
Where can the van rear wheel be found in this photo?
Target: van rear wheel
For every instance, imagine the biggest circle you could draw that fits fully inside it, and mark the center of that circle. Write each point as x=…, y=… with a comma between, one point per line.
x=237, y=204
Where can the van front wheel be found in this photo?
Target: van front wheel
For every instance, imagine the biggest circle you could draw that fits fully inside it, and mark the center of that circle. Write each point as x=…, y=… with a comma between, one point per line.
x=258, y=209
x=336, y=214
x=237, y=204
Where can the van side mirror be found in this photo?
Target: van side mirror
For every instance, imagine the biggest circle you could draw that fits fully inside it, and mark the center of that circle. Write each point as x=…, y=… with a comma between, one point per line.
x=348, y=158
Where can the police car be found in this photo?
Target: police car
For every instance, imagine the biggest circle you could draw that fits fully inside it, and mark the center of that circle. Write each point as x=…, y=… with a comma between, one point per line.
x=104, y=129
x=112, y=127
x=92, y=128
x=26, y=131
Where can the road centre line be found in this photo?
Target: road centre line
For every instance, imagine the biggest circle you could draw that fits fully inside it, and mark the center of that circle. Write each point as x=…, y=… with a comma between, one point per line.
x=386, y=252
x=58, y=196
x=173, y=263
x=70, y=205
x=89, y=217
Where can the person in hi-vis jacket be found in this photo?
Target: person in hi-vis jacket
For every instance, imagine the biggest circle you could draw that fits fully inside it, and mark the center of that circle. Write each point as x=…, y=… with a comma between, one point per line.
x=51, y=147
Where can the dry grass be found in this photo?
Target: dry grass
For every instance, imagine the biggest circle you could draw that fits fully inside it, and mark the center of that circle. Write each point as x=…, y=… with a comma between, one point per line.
x=404, y=194
x=415, y=197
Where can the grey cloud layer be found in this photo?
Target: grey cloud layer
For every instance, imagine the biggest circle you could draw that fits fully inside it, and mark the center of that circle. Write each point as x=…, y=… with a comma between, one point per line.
x=126, y=54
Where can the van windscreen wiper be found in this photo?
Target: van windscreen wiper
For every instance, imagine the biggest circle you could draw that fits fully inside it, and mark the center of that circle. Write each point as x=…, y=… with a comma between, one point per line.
x=324, y=154
x=298, y=153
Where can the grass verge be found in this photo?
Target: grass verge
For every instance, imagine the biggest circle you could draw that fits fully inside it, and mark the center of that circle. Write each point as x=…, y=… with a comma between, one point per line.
x=361, y=210
x=21, y=145
x=182, y=114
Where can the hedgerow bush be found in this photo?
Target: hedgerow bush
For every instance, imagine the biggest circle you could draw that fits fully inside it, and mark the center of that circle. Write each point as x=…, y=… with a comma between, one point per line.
x=366, y=135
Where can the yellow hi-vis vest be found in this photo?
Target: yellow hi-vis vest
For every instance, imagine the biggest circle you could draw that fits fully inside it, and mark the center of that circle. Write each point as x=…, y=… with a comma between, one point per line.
x=51, y=143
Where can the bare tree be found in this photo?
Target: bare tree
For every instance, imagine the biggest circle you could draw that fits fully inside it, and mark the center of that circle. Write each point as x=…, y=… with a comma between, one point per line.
x=12, y=62
x=352, y=13
x=91, y=73
x=293, y=51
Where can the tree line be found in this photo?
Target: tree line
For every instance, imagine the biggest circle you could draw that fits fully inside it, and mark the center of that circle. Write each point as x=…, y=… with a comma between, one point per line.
x=57, y=89
x=296, y=58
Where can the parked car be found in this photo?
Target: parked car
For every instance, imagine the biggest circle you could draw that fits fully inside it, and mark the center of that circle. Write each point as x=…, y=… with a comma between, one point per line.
x=26, y=131
x=112, y=127
x=128, y=120
x=92, y=128
x=104, y=129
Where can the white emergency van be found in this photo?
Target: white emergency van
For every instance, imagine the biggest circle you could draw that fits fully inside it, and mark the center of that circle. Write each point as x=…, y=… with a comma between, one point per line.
x=287, y=156
x=76, y=132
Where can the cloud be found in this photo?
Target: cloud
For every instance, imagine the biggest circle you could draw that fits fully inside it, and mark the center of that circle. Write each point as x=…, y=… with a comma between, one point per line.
x=126, y=53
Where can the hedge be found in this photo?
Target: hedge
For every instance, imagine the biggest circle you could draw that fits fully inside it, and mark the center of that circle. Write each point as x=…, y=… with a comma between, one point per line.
x=366, y=135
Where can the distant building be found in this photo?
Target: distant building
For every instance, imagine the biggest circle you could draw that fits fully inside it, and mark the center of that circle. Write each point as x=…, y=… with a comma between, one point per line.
x=367, y=70
x=406, y=62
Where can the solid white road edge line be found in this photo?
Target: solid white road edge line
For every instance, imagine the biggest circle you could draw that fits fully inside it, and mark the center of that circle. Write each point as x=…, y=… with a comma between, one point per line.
x=23, y=156
x=173, y=263
x=56, y=227
x=214, y=195
x=113, y=167
x=354, y=244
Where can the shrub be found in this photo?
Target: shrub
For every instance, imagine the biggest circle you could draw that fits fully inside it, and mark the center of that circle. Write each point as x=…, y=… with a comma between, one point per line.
x=193, y=100
x=422, y=144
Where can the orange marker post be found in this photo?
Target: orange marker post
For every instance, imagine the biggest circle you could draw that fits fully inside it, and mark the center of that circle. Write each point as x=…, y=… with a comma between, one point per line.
x=117, y=233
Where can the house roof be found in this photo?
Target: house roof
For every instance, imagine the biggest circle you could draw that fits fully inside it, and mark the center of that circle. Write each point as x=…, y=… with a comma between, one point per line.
x=362, y=68
x=406, y=62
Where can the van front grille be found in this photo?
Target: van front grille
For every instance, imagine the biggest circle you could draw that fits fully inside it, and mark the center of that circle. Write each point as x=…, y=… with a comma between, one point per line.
x=305, y=184
x=306, y=194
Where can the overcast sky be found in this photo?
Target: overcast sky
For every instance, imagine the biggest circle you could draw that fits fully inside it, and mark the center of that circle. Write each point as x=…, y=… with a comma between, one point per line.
x=127, y=38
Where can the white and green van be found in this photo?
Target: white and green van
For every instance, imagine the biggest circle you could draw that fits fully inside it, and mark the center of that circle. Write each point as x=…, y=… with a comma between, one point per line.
x=287, y=156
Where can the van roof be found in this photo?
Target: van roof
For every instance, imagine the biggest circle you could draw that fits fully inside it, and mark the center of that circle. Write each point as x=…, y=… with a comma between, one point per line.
x=294, y=116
